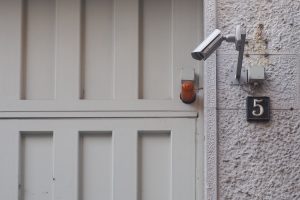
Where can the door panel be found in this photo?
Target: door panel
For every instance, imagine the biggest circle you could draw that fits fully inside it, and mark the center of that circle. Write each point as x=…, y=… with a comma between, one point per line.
x=156, y=49
x=38, y=45
x=97, y=49
x=95, y=165
x=36, y=165
x=117, y=159
x=154, y=164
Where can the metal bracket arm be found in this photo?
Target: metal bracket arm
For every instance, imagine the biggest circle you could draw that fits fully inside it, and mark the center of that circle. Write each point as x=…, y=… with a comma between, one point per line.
x=238, y=76
x=241, y=46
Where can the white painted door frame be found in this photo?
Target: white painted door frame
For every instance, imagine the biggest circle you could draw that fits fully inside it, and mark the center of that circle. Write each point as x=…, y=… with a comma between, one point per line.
x=210, y=107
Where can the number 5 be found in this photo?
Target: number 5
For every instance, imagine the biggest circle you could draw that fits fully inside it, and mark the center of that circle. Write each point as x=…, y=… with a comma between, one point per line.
x=256, y=105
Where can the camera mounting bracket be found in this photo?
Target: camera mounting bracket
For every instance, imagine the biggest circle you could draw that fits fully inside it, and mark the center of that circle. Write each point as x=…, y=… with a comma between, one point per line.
x=238, y=76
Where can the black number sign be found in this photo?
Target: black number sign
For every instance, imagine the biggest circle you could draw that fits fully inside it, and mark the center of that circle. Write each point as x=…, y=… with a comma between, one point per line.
x=258, y=109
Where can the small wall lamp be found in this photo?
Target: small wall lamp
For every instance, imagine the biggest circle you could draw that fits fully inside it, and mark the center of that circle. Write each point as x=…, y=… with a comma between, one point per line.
x=188, y=86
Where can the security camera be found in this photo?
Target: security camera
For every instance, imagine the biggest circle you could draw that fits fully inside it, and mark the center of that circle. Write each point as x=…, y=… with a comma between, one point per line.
x=208, y=46
x=215, y=39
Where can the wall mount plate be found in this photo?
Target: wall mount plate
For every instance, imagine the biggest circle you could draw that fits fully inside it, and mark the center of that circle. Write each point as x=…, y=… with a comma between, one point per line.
x=243, y=78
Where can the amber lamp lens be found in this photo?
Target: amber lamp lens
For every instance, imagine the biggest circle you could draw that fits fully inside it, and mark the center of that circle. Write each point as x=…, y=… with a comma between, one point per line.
x=188, y=94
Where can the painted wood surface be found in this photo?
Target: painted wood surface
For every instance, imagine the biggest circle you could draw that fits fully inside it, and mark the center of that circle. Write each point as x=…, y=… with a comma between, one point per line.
x=137, y=159
x=66, y=52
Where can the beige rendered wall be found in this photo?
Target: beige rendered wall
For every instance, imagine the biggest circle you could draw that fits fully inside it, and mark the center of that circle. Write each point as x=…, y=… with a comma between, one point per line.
x=256, y=160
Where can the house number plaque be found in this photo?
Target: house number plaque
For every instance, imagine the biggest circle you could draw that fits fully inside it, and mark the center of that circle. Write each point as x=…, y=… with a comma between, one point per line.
x=258, y=109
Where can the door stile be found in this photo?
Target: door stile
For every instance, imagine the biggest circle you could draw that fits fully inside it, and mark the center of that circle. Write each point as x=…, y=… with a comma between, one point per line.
x=9, y=167
x=183, y=175
x=67, y=57
x=124, y=163
x=126, y=52
x=65, y=170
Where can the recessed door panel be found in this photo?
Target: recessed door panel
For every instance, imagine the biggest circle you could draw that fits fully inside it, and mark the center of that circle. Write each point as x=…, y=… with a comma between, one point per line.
x=95, y=165
x=38, y=49
x=154, y=164
x=36, y=165
x=97, y=49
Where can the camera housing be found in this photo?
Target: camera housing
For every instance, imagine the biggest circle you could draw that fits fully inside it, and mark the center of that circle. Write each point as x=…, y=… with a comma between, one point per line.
x=208, y=46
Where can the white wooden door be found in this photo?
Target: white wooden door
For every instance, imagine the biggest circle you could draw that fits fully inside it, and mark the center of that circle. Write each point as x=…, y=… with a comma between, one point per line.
x=89, y=159
x=89, y=100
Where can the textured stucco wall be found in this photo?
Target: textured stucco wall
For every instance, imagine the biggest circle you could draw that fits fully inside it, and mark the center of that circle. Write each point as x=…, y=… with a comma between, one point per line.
x=260, y=160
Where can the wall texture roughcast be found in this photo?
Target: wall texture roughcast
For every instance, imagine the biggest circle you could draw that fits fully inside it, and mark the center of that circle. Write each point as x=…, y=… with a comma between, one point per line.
x=260, y=160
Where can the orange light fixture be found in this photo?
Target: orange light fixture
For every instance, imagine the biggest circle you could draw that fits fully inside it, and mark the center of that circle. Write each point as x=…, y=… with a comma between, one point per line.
x=188, y=93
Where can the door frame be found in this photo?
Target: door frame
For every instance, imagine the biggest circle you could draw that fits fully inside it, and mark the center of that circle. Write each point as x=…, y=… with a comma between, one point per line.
x=210, y=107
